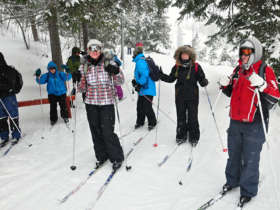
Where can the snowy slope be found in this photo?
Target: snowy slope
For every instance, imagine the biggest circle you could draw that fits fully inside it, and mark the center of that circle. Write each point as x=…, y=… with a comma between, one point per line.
x=37, y=177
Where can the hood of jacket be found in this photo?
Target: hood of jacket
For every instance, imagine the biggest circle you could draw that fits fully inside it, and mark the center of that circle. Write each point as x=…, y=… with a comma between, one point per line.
x=184, y=49
x=257, y=47
x=52, y=64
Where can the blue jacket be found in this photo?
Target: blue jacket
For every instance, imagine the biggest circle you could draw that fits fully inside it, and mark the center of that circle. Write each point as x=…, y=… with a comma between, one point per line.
x=55, y=82
x=141, y=75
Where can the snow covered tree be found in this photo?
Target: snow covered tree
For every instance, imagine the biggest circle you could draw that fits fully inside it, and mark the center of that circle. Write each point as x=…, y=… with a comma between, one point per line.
x=238, y=19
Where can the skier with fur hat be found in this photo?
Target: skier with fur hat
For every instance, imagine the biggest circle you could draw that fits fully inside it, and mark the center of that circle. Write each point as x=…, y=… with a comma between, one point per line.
x=187, y=74
x=246, y=133
x=56, y=88
x=146, y=89
x=99, y=75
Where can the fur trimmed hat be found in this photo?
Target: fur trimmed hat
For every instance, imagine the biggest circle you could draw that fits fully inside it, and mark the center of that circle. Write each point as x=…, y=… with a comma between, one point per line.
x=184, y=49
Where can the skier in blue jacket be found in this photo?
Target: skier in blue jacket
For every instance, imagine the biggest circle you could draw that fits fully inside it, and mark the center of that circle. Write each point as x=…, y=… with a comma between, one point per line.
x=146, y=89
x=56, y=88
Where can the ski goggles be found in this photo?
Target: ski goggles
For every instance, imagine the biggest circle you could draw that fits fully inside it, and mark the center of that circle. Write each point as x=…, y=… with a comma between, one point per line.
x=94, y=48
x=246, y=51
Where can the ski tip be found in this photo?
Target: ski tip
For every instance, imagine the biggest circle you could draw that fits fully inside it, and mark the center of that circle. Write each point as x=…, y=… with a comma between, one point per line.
x=225, y=150
x=155, y=145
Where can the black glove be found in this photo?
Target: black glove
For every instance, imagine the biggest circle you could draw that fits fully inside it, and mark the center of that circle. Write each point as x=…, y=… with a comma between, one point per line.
x=203, y=82
x=111, y=69
x=38, y=72
x=137, y=88
x=133, y=82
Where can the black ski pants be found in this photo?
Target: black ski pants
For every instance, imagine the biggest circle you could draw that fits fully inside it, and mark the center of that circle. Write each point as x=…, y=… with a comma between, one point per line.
x=187, y=119
x=53, y=99
x=101, y=119
x=145, y=109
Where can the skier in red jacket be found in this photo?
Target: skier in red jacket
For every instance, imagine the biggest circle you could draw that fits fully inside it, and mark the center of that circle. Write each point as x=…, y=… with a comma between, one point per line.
x=246, y=133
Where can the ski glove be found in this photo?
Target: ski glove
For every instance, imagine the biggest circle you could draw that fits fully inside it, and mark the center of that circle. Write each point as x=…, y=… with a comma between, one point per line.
x=133, y=82
x=204, y=82
x=137, y=87
x=38, y=72
x=224, y=80
x=111, y=69
x=257, y=81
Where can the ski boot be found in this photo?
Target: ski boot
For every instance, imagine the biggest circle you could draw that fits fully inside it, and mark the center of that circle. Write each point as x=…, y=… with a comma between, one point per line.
x=226, y=188
x=243, y=200
x=3, y=142
x=138, y=126
x=116, y=165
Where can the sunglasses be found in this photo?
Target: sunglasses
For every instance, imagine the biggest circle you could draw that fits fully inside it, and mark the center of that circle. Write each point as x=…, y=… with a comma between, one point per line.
x=246, y=51
x=94, y=48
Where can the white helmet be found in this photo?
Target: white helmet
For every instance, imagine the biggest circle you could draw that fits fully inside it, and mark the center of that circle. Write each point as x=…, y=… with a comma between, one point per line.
x=94, y=44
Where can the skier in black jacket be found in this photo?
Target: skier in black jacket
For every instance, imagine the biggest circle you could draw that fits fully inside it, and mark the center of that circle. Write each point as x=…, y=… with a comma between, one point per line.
x=187, y=73
x=10, y=85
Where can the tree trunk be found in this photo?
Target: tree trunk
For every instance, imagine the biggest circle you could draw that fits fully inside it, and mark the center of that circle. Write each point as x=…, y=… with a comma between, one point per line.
x=21, y=28
x=34, y=29
x=54, y=36
x=85, y=34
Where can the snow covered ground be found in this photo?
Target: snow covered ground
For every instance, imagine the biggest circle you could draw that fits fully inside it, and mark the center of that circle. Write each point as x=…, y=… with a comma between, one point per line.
x=37, y=177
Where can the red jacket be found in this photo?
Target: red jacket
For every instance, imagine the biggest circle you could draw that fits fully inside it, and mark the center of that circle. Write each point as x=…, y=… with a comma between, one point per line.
x=244, y=101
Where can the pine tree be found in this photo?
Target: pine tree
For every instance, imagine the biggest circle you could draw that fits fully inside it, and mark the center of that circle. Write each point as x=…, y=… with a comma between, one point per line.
x=238, y=19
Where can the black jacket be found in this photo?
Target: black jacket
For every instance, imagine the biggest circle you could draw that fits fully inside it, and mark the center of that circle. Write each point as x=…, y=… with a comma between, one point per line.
x=187, y=78
x=8, y=80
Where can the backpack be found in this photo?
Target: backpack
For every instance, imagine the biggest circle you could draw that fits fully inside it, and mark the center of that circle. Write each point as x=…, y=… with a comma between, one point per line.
x=19, y=83
x=15, y=79
x=268, y=100
x=153, y=68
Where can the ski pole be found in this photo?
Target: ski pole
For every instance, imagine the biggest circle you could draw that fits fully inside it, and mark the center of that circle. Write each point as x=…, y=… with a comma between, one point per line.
x=261, y=111
x=189, y=165
x=156, y=139
x=218, y=131
x=41, y=104
x=214, y=107
x=116, y=104
x=12, y=119
x=73, y=166
x=166, y=115
x=68, y=91
x=268, y=147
